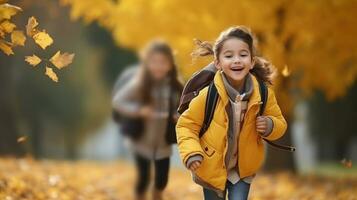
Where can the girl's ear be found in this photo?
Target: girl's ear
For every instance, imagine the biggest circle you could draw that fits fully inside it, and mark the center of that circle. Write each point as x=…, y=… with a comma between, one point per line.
x=216, y=64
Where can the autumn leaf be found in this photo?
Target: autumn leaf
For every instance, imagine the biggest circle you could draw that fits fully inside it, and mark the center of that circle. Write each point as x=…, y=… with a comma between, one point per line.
x=18, y=38
x=30, y=27
x=21, y=139
x=33, y=60
x=346, y=163
x=62, y=60
x=286, y=71
x=7, y=26
x=43, y=39
x=2, y=33
x=7, y=11
x=6, y=47
x=50, y=73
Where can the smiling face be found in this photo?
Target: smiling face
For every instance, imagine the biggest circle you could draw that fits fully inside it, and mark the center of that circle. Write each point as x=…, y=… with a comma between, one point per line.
x=235, y=60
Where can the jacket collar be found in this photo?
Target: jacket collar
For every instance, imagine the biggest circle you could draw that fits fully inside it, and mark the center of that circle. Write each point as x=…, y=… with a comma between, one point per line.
x=254, y=98
x=234, y=94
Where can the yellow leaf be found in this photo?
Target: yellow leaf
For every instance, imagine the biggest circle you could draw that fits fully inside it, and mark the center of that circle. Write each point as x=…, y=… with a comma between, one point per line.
x=33, y=60
x=30, y=27
x=286, y=71
x=62, y=60
x=21, y=139
x=346, y=163
x=18, y=38
x=50, y=73
x=6, y=47
x=7, y=26
x=2, y=33
x=43, y=39
x=7, y=11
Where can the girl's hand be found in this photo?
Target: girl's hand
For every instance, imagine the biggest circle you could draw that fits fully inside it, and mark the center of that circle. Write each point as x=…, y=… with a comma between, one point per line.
x=195, y=165
x=261, y=124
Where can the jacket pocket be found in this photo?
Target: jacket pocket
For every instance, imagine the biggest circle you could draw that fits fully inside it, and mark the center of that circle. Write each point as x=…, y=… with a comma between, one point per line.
x=209, y=151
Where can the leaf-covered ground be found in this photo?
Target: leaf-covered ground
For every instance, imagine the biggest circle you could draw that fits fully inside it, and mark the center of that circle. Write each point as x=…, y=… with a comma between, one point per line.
x=50, y=180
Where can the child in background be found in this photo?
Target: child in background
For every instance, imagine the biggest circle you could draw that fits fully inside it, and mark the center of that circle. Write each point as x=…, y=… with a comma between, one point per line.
x=152, y=95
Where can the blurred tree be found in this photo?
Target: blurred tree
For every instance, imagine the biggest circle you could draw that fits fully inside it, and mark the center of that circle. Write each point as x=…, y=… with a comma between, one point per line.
x=56, y=116
x=313, y=39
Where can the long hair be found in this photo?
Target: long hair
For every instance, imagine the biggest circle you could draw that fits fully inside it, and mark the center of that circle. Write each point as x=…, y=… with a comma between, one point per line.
x=145, y=78
x=262, y=68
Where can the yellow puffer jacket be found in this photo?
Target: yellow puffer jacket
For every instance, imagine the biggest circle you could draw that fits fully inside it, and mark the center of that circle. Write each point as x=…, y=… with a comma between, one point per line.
x=213, y=144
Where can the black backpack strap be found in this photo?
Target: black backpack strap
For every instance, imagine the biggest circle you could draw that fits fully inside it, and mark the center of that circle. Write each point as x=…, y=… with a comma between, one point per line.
x=211, y=102
x=263, y=90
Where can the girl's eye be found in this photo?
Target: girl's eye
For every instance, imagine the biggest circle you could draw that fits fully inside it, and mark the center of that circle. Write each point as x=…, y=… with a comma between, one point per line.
x=244, y=55
x=228, y=56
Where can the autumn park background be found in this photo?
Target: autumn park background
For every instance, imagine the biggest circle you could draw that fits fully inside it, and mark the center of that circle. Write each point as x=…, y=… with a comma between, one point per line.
x=57, y=138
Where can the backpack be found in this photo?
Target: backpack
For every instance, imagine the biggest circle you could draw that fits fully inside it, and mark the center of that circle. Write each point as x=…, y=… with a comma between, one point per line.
x=204, y=78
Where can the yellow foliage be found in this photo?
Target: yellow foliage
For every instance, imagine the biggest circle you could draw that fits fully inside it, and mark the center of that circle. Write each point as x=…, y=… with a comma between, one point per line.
x=21, y=139
x=7, y=27
x=43, y=39
x=33, y=60
x=31, y=26
x=6, y=47
x=286, y=71
x=7, y=11
x=62, y=60
x=316, y=39
x=44, y=180
x=51, y=74
x=18, y=38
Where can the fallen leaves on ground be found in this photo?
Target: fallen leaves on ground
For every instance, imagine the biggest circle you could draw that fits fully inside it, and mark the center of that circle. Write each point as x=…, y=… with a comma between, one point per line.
x=28, y=179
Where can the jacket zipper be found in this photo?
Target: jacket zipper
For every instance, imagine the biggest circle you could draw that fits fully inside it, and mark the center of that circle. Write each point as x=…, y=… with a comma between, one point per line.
x=244, y=121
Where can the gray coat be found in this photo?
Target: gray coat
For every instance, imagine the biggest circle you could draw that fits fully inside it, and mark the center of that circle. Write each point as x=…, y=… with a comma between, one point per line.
x=152, y=144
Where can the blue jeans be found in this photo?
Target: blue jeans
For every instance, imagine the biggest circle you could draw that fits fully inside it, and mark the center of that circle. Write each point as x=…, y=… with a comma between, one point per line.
x=238, y=191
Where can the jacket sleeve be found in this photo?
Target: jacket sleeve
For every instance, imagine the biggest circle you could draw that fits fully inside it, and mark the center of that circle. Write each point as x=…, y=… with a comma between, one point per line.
x=125, y=100
x=272, y=110
x=188, y=127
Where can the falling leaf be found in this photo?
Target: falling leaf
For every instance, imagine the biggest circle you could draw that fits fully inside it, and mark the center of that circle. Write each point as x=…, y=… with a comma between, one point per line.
x=7, y=26
x=18, y=38
x=21, y=139
x=285, y=71
x=50, y=73
x=62, y=60
x=30, y=27
x=43, y=39
x=33, y=60
x=2, y=33
x=6, y=47
x=346, y=163
x=7, y=11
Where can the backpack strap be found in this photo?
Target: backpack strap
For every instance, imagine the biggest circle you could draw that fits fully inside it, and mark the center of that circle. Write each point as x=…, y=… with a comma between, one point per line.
x=211, y=102
x=263, y=90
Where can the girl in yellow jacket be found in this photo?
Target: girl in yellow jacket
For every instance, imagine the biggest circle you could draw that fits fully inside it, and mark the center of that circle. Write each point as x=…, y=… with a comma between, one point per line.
x=229, y=154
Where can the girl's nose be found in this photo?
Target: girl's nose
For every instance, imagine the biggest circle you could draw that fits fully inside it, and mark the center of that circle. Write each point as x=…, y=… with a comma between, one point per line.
x=236, y=59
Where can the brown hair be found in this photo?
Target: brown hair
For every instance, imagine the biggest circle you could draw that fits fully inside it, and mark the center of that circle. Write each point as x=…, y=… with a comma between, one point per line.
x=145, y=78
x=262, y=69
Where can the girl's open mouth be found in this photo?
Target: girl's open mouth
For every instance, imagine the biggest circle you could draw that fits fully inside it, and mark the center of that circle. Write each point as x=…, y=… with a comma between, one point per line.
x=237, y=70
